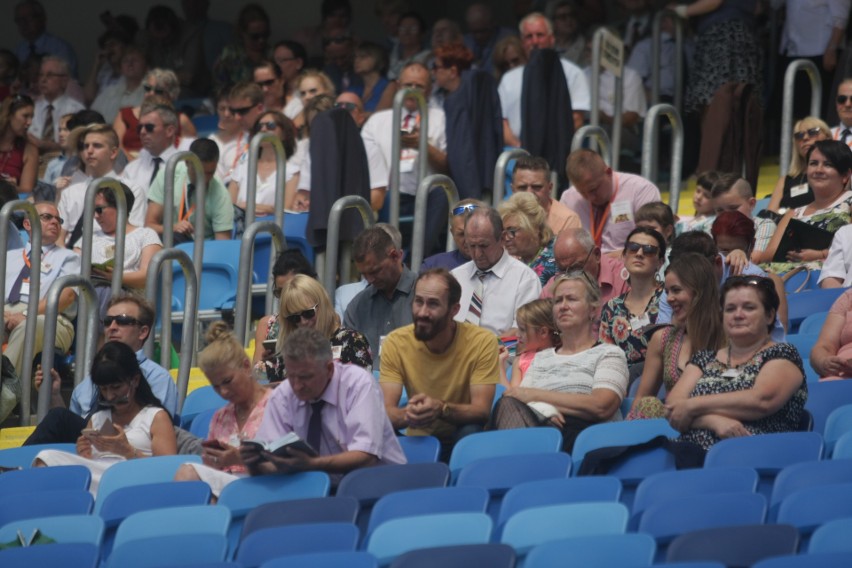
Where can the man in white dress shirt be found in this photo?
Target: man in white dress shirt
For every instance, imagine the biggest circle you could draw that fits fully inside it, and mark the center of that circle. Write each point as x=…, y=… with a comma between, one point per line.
x=537, y=33
x=494, y=284
x=843, y=131
x=52, y=104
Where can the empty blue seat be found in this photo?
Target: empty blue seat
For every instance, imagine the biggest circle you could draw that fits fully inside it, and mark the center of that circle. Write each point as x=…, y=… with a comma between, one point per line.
x=140, y=472
x=398, y=536
x=429, y=501
x=461, y=556
x=170, y=550
x=824, y=560
x=23, y=456
x=807, y=302
x=675, y=484
x=349, y=559
x=767, y=453
x=600, y=551
x=803, y=342
x=800, y=476
x=810, y=507
x=18, y=506
x=68, y=555
x=832, y=536
x=740, y=545
x=301, y=511
x=200, y=425
x=843, y=447
x=531, y=527
x=813, y=323
x=65, y=528
x=45, y=478
x=839, y=422
x=199, y=400
x=504, y=443
x=826, y=396
x=420, y=449
x=266, y=544
x=558, y=491
x=192, y=519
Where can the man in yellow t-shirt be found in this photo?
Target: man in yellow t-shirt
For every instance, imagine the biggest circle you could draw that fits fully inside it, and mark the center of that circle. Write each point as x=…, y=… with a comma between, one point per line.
x=449, y=368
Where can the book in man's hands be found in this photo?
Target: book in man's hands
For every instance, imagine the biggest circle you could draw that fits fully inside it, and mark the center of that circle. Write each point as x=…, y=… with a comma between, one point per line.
x=281, y=447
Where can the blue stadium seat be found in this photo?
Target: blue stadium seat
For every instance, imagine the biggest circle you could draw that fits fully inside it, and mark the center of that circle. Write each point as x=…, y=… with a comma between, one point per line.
x=199, y=400
x=823, y=560
x=803, y=342
x=399, y=536
x=301, y=511
x=824, y=397
x=67, y=555
x=200, y=425
x=812, y=324
x=537, y=525
x=45, y=478
x=170, y=550
x=843, y=447
x=191, y=519
x=838, y=423
x=23, y=456
x=65, y=528
x=205, y=124
x=461, y=556
x=675, y=484
x=504, y=443
x=429, y=501
x=420, y=449
x=600, y=551
x=740, y=545
x=807, y=302
x=767, y=453
x=622, y=433
x=832, y=536
x=349, y=559
x=19, y=506
x=266, y=544
x=154, y=469
x=800, y=476
x=810, y=507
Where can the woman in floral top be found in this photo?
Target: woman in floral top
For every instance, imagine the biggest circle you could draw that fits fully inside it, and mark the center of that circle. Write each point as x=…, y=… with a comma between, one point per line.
x=625, y=319
x=527, y=236
x=305, y=303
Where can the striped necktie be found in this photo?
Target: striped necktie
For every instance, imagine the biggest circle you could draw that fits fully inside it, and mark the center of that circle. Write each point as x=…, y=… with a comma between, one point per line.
x=47, y=131
x=475, y=309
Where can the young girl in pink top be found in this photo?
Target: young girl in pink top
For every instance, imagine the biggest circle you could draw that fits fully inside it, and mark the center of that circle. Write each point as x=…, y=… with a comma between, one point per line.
x=536, y=332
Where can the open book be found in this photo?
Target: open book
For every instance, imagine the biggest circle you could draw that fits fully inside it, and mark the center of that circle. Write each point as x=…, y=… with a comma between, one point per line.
x=281, y=446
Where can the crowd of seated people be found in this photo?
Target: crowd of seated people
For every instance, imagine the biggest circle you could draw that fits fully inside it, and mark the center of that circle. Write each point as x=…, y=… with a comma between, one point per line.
x=593, y=284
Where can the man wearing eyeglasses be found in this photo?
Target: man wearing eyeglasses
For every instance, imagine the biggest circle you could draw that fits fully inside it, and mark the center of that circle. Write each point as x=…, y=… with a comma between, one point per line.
x=245, y=103
x=843, y=131
x=574, y=249
x=51, y=105
x=353, y=105
x=532, y=173
x=55, y=263
x=129, y=319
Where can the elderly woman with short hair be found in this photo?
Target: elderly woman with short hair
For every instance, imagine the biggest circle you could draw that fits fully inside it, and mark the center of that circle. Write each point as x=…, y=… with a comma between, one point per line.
x=527, y=236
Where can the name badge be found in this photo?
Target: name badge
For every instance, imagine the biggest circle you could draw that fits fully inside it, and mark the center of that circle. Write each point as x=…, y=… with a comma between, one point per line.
x=638, y=322
x=621, y=212
x=406, y=160
x=25, y=289
x=45, y=267
x=335, y=352
x=731, y=373
x=798, y=190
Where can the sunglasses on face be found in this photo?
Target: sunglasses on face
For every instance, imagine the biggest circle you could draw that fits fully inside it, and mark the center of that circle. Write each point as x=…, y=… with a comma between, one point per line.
x=147, y=127
x=122, y=320
x=239, y=111
x=267, y=125
x=841, y=99
x=267, y=83
x=810, y=133
x=156, y=90
x=348, y=106
x=462, y=209
x=306, y=315
x=647, y=250
x=99, y=210
x=47, y=218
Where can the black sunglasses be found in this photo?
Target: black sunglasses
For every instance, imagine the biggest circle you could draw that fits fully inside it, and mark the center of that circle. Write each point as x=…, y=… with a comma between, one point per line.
x=348, y=106
x=147, y=127
x=267, y=125
x=841, y=99
x=267, y=83
x=810, y=132
x=648, y=250
x=239, y=111
x=122, y=320
x=99, y=210
x=299, y=316
x=156, y=90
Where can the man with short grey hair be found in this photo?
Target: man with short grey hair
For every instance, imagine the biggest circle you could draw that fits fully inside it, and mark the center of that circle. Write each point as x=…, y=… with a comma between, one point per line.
x=52, y=104
x=337, y=409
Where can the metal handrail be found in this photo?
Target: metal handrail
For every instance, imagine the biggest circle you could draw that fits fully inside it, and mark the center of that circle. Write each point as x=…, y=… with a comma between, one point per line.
x=656, y=56
x=83, y=354
x=418, y=237
x=33, y=296
x=81, y=369
x=649, y=149
x=280, y=176
x=503, y=160
x=332, y=240
x=794, y=67
x=242, y=307
x=618, y=104
x=599, y=135
x=396, y=146
x=187, y=344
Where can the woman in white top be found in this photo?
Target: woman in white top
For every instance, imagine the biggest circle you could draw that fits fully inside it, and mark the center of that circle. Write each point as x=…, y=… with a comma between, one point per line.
x=267, y=174
x=130, y=424
x=579, y=384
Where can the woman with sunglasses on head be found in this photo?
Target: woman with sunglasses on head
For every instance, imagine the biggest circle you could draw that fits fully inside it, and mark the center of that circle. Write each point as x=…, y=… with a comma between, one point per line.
x=18, y=156
x=140, y=246
x=580, y=383
x=793, y=190
x=625, y=319
x=692, y=291
x=132, y=423
x=829, y=171
x=305, y=303
x=289, y=263
x=282, y=127
x=226, y=366
x=527, y=236
x=749, y=386
x=162, y=83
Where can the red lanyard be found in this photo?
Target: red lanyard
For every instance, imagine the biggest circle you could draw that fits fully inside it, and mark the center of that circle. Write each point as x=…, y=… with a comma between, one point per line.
x=597, y=228
x=181, y=216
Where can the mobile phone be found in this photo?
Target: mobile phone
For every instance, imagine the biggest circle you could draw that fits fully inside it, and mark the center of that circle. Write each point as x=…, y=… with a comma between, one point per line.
x=108, y=429
x=90, y=433
x=270, y=344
